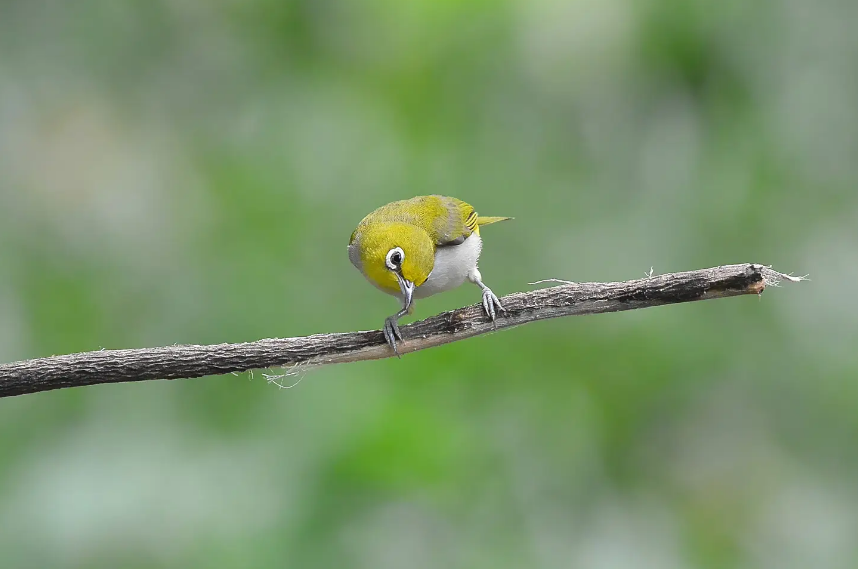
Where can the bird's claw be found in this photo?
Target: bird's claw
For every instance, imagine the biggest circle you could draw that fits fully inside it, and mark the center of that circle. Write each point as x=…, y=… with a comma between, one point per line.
x=392, y=333
x=491, y=304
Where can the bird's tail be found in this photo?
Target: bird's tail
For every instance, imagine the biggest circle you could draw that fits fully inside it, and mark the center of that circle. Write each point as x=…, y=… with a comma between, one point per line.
x=489, y=220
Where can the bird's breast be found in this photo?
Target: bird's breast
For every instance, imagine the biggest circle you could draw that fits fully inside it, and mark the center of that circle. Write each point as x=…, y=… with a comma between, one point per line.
x=452, y=265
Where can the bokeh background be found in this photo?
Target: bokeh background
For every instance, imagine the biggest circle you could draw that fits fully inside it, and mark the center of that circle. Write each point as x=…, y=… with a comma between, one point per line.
x=189, y=171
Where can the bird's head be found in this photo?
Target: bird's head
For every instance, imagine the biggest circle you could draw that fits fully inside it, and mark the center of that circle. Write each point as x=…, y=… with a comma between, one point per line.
x=395, y=257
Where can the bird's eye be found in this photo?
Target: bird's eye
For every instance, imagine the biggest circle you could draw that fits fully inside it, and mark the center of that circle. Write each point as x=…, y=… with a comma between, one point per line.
x=394, y=258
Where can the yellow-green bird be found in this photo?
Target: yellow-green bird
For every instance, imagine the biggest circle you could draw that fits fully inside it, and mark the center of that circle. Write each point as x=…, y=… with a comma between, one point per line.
x=419, y=247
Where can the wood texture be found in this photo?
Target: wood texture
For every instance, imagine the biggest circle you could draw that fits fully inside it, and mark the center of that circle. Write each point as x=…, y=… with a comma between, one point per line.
x=569, y=299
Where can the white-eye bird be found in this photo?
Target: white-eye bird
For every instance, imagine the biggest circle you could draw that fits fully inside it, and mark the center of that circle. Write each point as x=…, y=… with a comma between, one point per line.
x=419, y=247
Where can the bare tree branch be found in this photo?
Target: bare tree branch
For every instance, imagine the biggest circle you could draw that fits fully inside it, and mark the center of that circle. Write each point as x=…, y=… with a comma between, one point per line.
x=568, y=299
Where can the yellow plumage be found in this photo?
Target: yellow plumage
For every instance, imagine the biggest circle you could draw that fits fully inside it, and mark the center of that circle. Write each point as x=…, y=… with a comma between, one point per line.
x=417, y=247
x=444, y=219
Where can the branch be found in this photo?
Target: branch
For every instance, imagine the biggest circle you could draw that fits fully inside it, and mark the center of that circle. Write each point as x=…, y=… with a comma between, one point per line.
x=569, y=299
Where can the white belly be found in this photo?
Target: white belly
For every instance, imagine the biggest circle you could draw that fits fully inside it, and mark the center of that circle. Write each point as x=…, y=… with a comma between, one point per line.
x=452, y=266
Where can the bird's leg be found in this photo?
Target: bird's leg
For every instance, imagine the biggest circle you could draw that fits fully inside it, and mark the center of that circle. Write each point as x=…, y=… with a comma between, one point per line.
x=391, y=329
x=391, y=326
x=491, y=304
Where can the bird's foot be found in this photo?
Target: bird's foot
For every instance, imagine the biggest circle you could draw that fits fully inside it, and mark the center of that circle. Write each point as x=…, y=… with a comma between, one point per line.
x=392, y=333
x=491, y=304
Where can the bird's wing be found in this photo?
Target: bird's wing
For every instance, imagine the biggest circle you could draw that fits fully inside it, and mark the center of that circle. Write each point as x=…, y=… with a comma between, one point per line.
x=448, y=221
x=462, y=220
x=457, y=225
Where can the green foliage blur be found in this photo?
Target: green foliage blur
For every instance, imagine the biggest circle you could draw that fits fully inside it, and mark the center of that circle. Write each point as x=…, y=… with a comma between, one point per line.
x=189, y=171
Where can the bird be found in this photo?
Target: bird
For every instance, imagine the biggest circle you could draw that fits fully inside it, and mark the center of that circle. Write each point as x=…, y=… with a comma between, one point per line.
x=418, y=247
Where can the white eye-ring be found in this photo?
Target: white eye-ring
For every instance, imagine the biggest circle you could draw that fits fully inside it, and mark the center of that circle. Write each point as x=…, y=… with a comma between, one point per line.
x=394, y=258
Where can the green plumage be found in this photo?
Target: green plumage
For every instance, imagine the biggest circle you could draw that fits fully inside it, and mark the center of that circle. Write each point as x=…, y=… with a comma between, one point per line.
x=419, y=225
x=418, y=247
x=442, y=218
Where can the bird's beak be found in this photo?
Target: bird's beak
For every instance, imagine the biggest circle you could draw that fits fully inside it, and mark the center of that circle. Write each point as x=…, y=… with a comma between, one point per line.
x=407, y=289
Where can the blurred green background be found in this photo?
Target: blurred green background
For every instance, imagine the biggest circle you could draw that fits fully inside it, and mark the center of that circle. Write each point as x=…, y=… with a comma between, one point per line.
x=189, y=171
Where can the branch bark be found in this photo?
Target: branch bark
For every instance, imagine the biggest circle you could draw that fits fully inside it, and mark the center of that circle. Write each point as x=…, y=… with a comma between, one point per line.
x=567, y=299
